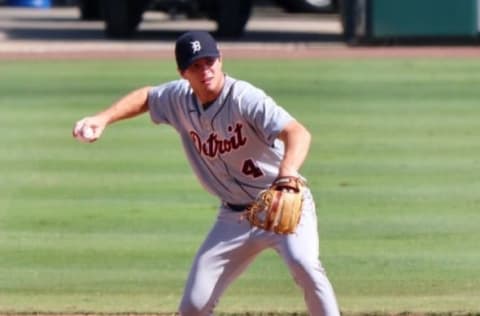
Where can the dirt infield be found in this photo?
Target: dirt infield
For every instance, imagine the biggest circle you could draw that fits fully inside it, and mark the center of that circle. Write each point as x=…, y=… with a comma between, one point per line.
x=237, y=51
x=255, y=53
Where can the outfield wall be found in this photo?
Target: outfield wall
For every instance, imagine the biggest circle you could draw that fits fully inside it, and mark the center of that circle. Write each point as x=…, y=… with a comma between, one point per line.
x=426, y=20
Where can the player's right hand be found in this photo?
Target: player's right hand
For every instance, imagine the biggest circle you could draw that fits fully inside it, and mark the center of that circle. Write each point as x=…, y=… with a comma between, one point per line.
x=88, y=129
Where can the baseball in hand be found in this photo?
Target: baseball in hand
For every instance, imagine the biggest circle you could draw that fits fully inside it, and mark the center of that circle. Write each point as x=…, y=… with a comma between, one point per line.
x=87, y=133
x=84, y=133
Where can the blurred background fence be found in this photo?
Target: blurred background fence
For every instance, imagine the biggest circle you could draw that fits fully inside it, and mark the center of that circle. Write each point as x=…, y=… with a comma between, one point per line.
x=363, y=21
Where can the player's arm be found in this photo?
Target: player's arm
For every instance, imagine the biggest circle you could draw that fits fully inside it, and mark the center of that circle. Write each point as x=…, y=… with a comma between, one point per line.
x=131, y=105
x=297, y=143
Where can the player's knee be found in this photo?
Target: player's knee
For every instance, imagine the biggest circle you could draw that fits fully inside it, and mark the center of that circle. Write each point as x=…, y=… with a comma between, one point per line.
x=306, y=271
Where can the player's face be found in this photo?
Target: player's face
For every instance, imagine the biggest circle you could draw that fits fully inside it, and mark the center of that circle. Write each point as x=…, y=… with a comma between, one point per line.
x=206, y=78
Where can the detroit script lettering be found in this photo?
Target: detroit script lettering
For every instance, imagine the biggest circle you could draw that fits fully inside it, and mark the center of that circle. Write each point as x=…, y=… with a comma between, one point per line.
x=214, y=146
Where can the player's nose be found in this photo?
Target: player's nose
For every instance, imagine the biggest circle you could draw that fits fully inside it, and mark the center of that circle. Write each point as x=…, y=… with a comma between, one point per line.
x=205, y=71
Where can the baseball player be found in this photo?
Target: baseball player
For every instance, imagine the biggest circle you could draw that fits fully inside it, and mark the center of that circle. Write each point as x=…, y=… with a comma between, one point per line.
x=238, y=141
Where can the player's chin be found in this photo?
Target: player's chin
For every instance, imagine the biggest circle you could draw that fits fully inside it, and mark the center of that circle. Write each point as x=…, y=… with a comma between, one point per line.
x=208, y=88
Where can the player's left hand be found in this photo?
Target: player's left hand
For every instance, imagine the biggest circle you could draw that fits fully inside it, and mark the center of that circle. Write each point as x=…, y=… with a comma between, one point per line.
x=279, y=208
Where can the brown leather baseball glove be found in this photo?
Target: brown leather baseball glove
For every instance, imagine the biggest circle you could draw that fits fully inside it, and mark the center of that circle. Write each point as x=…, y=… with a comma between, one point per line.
x=278, y=209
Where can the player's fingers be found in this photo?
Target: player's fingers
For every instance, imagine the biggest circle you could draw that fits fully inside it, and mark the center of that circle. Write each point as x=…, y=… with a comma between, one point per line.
x=77, y=129
x=86, y=131
x=89, y=129
x=95, y=133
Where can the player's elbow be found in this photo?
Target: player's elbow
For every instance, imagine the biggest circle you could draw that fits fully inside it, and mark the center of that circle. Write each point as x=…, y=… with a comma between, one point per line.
x=307, y=136
x=304, y=135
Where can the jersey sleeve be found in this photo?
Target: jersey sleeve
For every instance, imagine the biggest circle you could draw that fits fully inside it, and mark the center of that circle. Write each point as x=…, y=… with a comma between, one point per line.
x=263, y=113
x=163, y=99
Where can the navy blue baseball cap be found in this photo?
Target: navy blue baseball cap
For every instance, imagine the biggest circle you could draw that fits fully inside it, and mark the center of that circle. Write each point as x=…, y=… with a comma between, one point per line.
x=194, y=45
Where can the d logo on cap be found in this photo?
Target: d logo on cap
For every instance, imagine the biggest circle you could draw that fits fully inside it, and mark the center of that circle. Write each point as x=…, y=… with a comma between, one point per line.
x=196, y=47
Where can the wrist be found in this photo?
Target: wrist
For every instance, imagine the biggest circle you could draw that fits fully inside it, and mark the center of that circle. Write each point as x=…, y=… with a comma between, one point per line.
x=287, y=172
x=103, y=119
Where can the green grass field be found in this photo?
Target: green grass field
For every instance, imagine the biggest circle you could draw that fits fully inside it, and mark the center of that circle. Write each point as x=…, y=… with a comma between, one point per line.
x=113, y=226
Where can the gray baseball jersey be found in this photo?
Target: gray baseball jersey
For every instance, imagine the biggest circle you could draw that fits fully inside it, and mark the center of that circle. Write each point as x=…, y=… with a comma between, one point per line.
x=233, y=148
x=232, y=145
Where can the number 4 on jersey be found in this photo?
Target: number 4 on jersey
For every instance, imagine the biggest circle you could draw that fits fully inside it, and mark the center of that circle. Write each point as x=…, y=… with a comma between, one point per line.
x=251, y=169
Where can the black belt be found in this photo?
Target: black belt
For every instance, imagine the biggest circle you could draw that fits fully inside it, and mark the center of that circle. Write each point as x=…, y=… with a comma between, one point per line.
x=237, y=207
